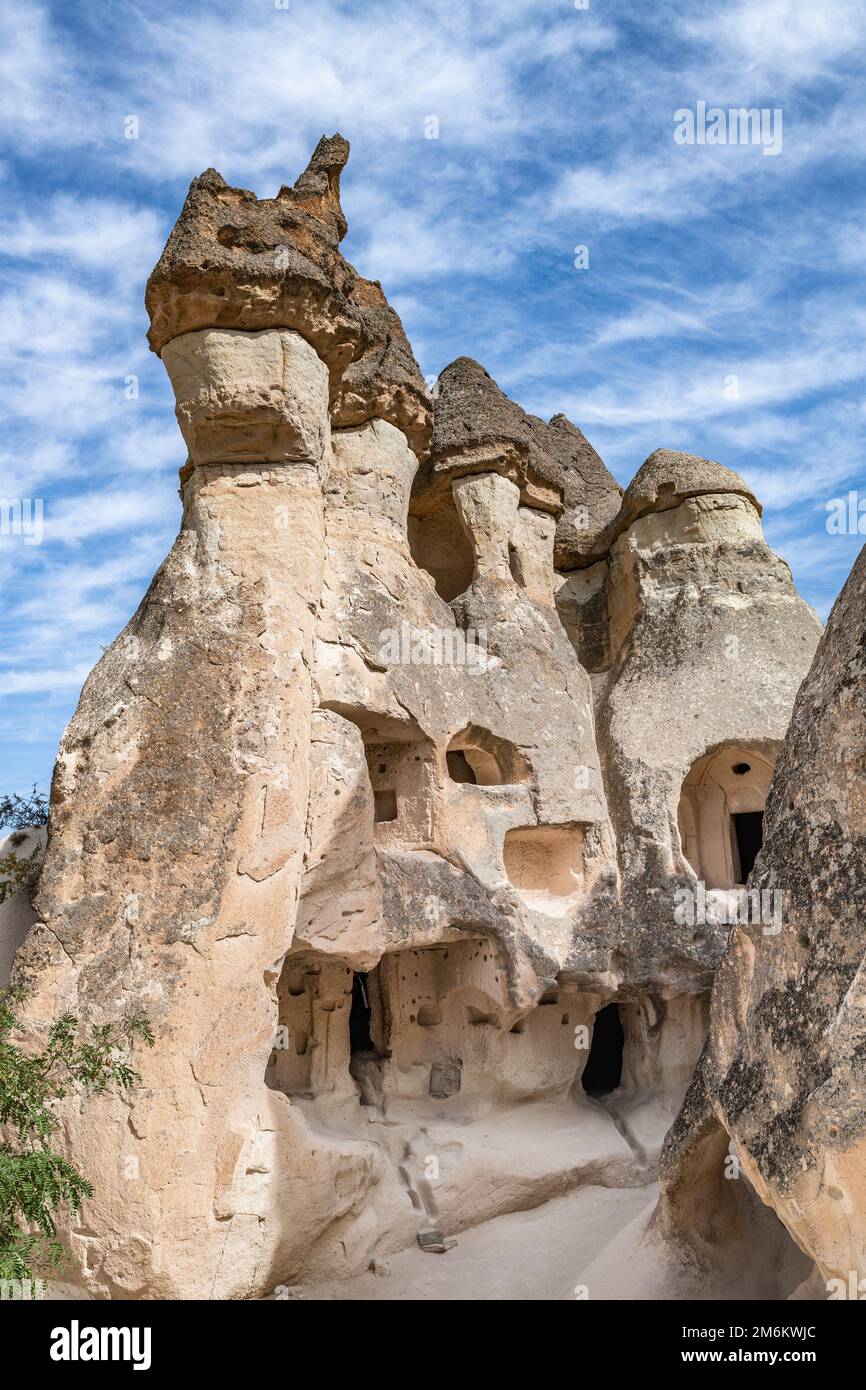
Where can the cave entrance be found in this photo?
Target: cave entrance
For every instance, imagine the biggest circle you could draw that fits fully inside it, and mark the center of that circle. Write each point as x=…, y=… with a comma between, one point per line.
x=720, y=813
x=403, y=780
x=603, y=1071
x=749, y=835
x=360, y=1015
x=459, y=769
x=476, y=755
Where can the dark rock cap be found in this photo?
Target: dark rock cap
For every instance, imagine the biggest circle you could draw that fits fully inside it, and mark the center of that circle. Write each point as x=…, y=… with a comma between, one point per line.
x=478, y=428
x=237, y=261
x=668, y=477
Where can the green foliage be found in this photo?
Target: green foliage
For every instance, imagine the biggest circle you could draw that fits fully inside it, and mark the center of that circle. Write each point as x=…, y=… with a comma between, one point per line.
x=23, y=812
x=34, y=1180
x=20, y=873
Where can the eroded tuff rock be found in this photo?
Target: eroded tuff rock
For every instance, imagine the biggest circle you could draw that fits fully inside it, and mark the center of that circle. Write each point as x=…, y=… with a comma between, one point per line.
x=478, y=428
x=237, y=261
x=385, y=837
x=704, y=624
x=782, y=1076
x=16, y=914
x=668, y=478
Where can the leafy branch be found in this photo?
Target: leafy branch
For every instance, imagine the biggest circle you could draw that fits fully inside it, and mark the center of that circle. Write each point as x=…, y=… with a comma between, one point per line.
x=24, y=812
x=34, y=1180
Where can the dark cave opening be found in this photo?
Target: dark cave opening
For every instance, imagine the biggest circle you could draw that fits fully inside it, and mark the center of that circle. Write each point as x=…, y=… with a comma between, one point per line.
x=360, y=1015
x=459, y=769
x=603, y=1071
x=384, y=805
x=749, y=834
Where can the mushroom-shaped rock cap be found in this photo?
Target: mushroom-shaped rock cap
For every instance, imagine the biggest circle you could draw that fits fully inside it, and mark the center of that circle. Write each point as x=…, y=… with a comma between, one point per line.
x=477, y=428
x=668, y=477
x=237, y=261
x=592, y=494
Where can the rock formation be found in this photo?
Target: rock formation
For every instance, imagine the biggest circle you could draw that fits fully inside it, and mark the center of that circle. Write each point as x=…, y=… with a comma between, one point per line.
x=236, y=261
x=16, y=914
x=781, y=1080
x=385, y=804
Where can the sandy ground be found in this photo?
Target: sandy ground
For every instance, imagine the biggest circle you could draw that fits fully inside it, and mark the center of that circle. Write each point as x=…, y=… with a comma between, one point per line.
x=524, y=1255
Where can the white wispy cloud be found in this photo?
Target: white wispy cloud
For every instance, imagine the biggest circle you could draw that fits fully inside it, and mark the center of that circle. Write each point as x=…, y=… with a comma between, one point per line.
x=101, y=234
x=42, y=99
x=555, y=127
x=27, y=682
x=777, y=41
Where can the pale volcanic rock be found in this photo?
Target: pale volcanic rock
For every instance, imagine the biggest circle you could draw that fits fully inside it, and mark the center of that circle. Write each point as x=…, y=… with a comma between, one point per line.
x=233, y=401
x=171, y=881
x=782, y=1075
x=488, y=506
x=379, y=817
x=16, y=914
x=667, y=478
x=706, y=629
x=532, y=543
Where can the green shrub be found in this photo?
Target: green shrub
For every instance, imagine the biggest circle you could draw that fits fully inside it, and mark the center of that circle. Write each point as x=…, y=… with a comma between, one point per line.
x=35, y=1182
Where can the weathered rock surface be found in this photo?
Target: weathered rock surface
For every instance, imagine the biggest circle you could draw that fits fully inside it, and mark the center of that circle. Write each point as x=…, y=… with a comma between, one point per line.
x=704, y=628
x=668, y=478
x=16, y=914
x=379, y=816
x=478, y=429
x=782, y=1074
x=237, y=261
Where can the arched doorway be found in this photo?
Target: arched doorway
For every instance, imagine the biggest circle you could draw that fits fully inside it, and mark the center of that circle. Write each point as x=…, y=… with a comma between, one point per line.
x=603, y=1071
x=720, y=813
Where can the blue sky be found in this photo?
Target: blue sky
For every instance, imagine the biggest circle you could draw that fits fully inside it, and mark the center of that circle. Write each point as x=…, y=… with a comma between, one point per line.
x=556, y=125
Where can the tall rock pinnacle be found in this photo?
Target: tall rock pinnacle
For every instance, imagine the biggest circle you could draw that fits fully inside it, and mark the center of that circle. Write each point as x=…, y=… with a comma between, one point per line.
x=237, y=261
x=383, y=805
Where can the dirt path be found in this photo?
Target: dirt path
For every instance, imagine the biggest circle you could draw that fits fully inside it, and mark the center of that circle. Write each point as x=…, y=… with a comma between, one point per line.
x=524, y=1255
